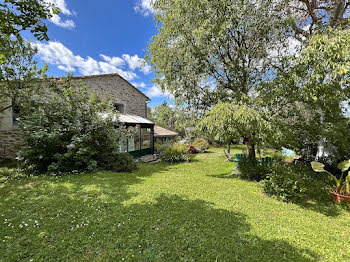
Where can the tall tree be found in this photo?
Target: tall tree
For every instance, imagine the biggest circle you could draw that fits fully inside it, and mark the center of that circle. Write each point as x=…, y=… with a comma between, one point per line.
x=210, y=50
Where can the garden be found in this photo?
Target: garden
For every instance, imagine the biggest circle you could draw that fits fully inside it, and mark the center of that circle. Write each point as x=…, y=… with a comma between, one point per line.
x=190, y=211
x=258, y=164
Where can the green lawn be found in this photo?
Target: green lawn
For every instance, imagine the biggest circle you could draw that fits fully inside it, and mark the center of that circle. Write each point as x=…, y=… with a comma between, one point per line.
x=187, y=212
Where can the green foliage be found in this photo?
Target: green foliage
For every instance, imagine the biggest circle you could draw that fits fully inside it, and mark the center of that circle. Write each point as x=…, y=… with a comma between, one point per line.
x=213, y=50
x=285, y=182
x=69, y=131
x=252, y=169
x=121, y=163
x=201, y=144
x=312, y=97
x=179, y=118
x=160, y=147
x=342, y=183
x=18, y=73
x=295, y=183
x=228, y=122
x=175, y=154
x=20, y=15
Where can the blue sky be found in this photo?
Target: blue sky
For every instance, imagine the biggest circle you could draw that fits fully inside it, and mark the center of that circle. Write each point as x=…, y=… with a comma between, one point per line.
x=108, y=36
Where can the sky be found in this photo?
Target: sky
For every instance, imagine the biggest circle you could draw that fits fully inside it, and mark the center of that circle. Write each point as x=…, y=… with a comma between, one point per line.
x=105, y=36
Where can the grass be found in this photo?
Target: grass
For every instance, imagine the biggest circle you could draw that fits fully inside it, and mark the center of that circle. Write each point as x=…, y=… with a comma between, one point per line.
x=186, y=212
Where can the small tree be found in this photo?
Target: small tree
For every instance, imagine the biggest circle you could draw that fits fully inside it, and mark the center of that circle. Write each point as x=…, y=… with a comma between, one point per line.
x=233, y=121
x=69, y=130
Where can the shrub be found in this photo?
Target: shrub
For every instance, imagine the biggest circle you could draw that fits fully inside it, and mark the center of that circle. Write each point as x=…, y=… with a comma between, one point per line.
x=122, y=163
x=201, y=144
x=160, y=147
x=69, y=131
x=294, y=182
x=252, y=169
x=175, y=154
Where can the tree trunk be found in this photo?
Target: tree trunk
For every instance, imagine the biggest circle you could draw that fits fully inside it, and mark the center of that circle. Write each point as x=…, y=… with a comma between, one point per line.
x=251, y=148
x=229, y=148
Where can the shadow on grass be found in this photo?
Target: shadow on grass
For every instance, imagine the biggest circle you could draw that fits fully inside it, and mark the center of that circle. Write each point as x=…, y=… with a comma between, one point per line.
x=84, y=218
x=320, y=202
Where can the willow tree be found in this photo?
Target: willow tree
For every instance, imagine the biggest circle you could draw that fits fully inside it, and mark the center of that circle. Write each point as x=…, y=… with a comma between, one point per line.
x=214, y=50
x=233, y=121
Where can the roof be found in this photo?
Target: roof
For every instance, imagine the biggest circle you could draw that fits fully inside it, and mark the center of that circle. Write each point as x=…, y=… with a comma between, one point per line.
x=162, y=132
x=114, y=74
x=132, y=119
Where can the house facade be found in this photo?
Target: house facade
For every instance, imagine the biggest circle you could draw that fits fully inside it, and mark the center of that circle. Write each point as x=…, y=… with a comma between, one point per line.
x=127, y=99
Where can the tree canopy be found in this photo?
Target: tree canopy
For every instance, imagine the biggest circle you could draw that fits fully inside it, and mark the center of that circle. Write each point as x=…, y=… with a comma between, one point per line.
x=211, y=50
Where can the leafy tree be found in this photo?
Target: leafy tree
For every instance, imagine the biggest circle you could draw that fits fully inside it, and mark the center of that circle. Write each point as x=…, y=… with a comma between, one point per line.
x=211, y=50
x=17, y=63
x=230, y=122
x=18, y=73
x=312, y=97
x=163, y=115
x=179, y=118
x=21, y=15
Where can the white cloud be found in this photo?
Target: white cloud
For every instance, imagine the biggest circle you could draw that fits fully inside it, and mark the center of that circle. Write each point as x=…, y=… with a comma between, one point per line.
x=137, y=62
x=139, y=85
x=144, y=7
x=116, y=61
x=155, y=91
x=57, y=19
x=55, y=53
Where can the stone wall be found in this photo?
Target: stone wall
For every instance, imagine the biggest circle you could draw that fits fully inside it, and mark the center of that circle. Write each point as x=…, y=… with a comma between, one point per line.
x=10, y=143
x=119, y=90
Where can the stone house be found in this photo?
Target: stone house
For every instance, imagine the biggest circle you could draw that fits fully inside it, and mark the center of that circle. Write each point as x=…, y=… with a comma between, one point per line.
x=128, y=100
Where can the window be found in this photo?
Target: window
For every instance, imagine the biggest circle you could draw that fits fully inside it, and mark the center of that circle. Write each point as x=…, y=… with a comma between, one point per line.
x=120, y=108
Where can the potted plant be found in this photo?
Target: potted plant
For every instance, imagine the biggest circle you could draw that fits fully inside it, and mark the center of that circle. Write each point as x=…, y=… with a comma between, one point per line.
x=342, y=191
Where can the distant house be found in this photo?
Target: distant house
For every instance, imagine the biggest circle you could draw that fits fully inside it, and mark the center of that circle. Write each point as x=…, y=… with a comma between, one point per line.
x=128, y=100
x=162, y=135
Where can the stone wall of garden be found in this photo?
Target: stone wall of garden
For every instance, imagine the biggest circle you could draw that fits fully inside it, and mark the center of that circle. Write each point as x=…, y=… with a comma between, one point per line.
x=10, y=143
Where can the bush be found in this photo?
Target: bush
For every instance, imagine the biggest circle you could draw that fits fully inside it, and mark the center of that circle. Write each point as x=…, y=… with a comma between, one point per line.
x=201, y=144
x=160, y=147
x=252, y=169
x=69, y=131
x=295, y=182
x=123, y=163
x=175, y=154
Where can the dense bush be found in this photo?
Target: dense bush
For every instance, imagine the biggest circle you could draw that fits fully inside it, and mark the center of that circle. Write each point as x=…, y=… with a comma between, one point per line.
x=252, y=169
x=69, y=131
x=175, y=153
x=295, y=182
x=201, y=144
x=122, y=163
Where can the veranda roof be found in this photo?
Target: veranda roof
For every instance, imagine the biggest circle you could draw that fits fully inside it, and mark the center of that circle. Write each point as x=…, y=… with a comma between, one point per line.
x=132, y=119
x=162, y=132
